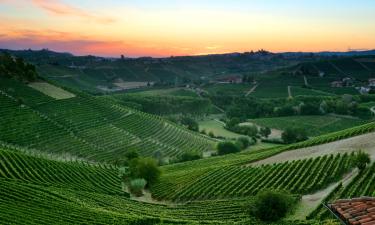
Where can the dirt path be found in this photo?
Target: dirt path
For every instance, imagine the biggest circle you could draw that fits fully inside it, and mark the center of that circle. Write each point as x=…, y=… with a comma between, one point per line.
x=365, y=142
x=290, y=92
x=251, y=90
x=310, y=202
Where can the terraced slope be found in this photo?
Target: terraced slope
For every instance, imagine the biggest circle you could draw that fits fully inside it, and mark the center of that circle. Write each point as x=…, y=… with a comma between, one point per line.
x=88, y=127
x=41, y=191
x=299, y=177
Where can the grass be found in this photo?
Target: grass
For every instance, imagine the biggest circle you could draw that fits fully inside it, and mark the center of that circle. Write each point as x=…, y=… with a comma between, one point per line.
x=51, y=90
x=314, y=125
x=217, y=128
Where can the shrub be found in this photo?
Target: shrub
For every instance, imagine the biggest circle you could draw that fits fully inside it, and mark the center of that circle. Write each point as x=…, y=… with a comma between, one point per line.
x=292, y=135
x=189, y=156
x=227, y=147
x=361, y=160
x=244, y=142
x=265, y=131
x=271, y=205
x=211, y=134
x=136, y=186
x=190, y=123
x=146, y=168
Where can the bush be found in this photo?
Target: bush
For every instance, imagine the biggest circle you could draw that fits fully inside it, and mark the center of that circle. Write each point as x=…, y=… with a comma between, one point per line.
x=136, y=186
x=146, y=168
x=265, y=131
x=224, y=148
x=361, y=160
x=244, y=142
x=211, y=134
x=270, y=205
x=189, y=156
x=292, y=135
x=190, y=123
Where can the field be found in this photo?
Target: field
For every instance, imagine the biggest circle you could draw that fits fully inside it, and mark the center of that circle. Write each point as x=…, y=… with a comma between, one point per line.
x=314, y=125
x=217, y=128
x=52, y=91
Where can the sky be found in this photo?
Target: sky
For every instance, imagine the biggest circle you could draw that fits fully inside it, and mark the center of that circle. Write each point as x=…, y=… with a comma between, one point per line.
x=162, y=28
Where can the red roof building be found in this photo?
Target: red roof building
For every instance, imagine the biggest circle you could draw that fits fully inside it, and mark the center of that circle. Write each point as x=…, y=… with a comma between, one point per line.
x=356, y=211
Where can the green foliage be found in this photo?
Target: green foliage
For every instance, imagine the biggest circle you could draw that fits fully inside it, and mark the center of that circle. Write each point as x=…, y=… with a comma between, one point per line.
x=292, y=135
x=71, y=126
x=314, y=125
x=190, y=123
x=165, y=105
x=218, y=179
x=361, y=160
x=244, y=142
x=136, y=186
x=227, y=147
x=265, y=131
x=189, y=156
x=270, y=205
x=17, y=68
x=146, y=168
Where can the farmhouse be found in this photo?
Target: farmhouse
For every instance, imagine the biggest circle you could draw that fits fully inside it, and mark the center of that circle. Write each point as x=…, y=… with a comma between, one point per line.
x=356, y=211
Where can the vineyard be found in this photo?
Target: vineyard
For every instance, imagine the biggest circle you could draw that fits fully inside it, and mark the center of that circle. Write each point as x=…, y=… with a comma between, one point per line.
x=314, y=125
x=299, y=177
x=77, y=193
x=362, y=185
x=87, y=127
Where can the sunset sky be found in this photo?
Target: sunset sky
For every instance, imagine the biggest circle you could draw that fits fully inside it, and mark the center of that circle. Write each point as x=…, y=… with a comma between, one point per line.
x=186, y=27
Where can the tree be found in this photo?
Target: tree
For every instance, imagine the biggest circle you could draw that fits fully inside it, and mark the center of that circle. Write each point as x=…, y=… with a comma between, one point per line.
x=227, y=147
x=190, y=123
x=271, y=205
x=132, y=154
x=243, y=142
x=292, y=135
x=136, y=186
x=146, y=168
x=361, y=160
x=265, y=131
x=189, y=156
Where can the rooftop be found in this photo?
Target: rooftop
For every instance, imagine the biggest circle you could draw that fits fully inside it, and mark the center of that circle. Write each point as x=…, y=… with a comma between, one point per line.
x=356, y=211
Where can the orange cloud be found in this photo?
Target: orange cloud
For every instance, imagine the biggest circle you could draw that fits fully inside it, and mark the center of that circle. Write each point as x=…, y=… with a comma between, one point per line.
x=58, y=8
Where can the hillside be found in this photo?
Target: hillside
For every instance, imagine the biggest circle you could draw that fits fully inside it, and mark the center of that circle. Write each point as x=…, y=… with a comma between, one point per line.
x=101, y=75
x=87, y=127
x=64, y=151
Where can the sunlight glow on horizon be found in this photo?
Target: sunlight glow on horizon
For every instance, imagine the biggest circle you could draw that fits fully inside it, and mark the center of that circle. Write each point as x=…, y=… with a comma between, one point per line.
x=167, y=27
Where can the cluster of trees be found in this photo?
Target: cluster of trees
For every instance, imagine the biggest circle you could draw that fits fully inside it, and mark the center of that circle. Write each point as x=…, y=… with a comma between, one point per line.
x=247, y=107
x=139, y=173
x=292, y=135
x=228, y=147
x=233, y=125
x=17, y=68
x=167, y=105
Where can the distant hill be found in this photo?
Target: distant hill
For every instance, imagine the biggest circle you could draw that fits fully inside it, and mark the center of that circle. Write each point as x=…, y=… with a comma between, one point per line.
x=101, y=75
